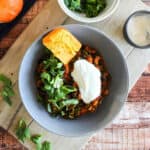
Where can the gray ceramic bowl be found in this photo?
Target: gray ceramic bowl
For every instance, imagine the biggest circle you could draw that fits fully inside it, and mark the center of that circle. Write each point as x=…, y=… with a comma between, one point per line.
x=111, y=105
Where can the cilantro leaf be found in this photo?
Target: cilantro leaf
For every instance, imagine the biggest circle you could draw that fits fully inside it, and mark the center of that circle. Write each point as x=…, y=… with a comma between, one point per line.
x=5, y=80
x=5, y=97
x=36, y=138
x=7, y=89
x=45, y=76
x=22, y=131
x=46, y=146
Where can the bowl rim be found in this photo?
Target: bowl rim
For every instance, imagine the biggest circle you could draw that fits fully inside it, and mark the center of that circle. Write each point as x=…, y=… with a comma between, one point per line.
x=92, y=131
x=125, y=28
x=111, y=10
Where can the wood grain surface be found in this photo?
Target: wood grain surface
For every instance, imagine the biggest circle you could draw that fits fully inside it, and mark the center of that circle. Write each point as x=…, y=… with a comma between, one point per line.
x=10, y=38
x=131, y=129
x=8, y=142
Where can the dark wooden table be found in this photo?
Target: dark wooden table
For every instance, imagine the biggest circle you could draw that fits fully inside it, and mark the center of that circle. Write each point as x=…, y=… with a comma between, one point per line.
x=138, y=100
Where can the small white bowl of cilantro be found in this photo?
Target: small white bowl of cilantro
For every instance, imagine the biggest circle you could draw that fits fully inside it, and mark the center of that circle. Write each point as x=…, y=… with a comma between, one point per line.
x=89, y=11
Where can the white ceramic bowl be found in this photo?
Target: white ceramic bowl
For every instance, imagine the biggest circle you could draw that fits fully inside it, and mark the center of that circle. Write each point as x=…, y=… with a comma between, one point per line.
x=111, y=7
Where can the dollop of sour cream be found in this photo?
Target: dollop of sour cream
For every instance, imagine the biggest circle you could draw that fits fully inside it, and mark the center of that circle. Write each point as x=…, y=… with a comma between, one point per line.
x=88, y=78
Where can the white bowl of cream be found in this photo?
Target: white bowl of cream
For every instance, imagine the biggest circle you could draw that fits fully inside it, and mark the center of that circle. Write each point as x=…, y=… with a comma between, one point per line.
x=137, y=29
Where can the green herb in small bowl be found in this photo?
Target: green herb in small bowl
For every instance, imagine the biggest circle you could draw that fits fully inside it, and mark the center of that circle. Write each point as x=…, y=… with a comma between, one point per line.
x=89, y=11
x=91, y=8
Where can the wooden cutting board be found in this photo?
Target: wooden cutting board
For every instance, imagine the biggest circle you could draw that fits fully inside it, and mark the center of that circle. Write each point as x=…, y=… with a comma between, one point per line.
x=52, y=16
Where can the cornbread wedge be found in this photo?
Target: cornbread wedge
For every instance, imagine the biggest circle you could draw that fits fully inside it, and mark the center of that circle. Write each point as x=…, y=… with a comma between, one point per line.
x=62, y=43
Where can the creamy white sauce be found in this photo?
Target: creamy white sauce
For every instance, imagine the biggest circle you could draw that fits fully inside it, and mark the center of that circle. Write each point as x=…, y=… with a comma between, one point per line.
x=88, y=78
x=138, y=30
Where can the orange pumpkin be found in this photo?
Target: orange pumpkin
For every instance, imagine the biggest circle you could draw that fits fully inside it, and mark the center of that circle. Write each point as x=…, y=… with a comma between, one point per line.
x=10, y=9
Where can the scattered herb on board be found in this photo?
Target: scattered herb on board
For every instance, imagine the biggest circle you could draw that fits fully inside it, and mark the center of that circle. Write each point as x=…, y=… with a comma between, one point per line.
x=36, y=139
x=91, y=8
x=6, y=91
x=46, y=145
x=40, y=146
x=23, y=133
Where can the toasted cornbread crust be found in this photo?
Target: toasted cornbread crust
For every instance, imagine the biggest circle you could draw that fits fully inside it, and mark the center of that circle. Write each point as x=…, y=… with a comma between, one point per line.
x=62, y=44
